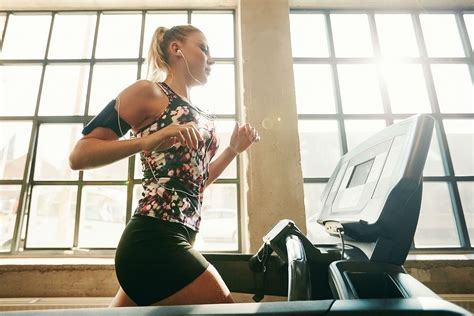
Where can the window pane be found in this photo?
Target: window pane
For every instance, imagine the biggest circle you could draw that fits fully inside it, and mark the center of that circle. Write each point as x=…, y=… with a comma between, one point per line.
x=138, y=168
x=55, y=143
x=119, y=35
x=434, y=161
x=441, y=35
x=312, y=196
x=460, y=135
x=3, y=18
x=73, y=36
x=304, y=46
x=218, y=95
x=314, y=89
x=137, y=195
x=146, y=73
x=219, y=32
x=64, y=90
x=26, y=36
x=17, y=95
x=155, y=19
x=9, y=198
x=406, y=88
x=13, y=148
x=360, y=91
x=108, y=80
x=224, y=129
x=466, y=191
x=319, y=146
x=351, y=35
x=219, y=225
x=115, y=171
x=103, y=211
x=358, y=131
x=469, y=20
x=436, y=226
x=52, y=217
x=454, y=88
x=316, y=232
x=396, y=35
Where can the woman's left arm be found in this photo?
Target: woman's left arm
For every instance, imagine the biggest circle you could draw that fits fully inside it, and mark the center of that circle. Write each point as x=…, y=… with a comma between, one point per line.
x=242, y=138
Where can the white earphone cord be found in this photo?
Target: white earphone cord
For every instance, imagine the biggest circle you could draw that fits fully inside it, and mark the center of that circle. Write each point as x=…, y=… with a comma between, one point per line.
x=187, y=67
x=146, y=158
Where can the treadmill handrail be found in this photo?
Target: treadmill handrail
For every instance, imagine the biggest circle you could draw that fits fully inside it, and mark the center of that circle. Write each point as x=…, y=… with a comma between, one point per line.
x=299, y=280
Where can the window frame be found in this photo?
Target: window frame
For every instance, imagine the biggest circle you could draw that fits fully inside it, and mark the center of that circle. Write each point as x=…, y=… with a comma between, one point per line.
x=27, y=183
x=450, y=178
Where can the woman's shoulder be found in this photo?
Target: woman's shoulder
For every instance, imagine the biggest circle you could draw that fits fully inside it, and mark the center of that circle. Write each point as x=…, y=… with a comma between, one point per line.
x=139, y=101
x=143, y=95
x=144, y=89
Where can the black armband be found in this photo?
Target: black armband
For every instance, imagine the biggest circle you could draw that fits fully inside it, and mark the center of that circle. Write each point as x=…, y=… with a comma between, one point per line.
x=108, y=118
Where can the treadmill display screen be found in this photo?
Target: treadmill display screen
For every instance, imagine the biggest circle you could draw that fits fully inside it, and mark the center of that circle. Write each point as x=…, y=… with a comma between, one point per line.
x=360, y=173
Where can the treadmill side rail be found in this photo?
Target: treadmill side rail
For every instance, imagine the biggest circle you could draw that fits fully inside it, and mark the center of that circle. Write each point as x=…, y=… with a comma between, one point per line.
x=411, y=306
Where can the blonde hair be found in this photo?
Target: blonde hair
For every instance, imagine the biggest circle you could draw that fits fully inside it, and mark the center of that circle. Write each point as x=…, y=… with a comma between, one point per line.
x=158, y=54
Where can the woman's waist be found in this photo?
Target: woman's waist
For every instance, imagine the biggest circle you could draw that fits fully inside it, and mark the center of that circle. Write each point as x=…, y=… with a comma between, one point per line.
x=171, y=191
x=182, y=179
x=161, y=226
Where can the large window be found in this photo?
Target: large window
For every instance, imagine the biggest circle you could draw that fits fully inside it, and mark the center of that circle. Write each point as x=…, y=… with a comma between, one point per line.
x=358, y=72
x=58, y=70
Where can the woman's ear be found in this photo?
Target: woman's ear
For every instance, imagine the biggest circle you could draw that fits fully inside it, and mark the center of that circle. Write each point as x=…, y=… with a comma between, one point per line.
x=175, y=47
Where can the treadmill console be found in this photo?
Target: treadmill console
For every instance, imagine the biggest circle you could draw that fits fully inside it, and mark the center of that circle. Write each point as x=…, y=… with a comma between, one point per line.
x=374, y=193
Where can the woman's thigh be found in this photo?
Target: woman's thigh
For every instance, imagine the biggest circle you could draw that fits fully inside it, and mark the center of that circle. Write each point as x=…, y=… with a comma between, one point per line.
x=207, y=288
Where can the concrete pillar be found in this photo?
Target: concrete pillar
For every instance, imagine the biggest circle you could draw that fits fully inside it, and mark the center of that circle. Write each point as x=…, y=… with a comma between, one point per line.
x=275, y=183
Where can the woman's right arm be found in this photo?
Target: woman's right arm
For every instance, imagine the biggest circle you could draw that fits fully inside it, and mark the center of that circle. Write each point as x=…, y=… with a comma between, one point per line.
x=102, y=146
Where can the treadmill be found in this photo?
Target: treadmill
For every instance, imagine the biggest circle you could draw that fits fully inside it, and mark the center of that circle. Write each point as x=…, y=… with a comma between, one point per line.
x=371, y=204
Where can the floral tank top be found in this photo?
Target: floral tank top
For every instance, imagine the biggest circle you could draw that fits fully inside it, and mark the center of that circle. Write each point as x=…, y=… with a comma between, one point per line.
x=173, y=180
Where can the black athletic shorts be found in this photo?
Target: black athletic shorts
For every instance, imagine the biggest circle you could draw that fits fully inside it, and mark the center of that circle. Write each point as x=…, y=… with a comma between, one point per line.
x=155, y=259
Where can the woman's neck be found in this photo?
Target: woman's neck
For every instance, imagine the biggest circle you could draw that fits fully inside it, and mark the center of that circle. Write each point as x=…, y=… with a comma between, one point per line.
x=179, y=86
